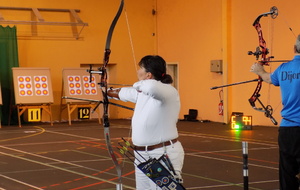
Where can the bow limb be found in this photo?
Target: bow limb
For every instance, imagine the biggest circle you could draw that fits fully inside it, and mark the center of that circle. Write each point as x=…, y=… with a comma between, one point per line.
x=262, y=51
x=103, y=85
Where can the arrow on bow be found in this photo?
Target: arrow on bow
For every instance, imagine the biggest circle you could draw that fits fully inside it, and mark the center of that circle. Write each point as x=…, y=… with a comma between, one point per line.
x=262, y=51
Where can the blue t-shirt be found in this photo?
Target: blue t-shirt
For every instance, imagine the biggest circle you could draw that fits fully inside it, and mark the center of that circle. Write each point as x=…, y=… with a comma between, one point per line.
x=287, y=76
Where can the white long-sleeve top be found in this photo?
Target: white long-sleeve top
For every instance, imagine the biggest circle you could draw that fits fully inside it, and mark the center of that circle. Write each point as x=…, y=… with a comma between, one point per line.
x=156, y=111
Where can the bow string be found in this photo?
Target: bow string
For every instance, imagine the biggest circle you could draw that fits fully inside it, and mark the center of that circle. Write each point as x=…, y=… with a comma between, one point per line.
x=262, y=51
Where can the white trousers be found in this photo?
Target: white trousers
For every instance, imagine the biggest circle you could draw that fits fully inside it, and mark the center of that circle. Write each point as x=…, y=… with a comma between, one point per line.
x=175, y=153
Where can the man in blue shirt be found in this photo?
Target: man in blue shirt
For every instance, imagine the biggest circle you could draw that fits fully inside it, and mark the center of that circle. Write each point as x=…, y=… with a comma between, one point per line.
x=287, y=77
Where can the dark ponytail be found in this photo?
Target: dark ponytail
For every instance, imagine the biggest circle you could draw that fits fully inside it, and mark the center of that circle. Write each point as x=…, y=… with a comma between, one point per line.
x=156, y=65
x=297, y=45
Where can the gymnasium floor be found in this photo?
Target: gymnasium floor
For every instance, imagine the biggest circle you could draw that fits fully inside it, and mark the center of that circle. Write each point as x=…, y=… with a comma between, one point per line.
x=63, y=157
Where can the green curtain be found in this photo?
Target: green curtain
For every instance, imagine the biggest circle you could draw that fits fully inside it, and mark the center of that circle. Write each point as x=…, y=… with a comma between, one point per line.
x=8, y=59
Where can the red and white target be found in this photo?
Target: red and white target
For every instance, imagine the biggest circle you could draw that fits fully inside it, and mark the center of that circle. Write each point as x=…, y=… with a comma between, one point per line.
x=89, y=87
x=25, y=86
x=41, y=85
x=74, y=83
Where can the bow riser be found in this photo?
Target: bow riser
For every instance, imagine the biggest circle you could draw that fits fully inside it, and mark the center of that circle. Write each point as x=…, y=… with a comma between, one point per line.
x=263, y=45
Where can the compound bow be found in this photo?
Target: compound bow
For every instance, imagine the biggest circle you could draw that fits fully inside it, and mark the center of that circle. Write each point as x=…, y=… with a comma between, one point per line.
x=262, y=51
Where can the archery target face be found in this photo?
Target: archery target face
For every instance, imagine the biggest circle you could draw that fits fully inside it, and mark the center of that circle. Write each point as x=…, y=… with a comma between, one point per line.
x=27, y=86
x=89, y=88
x=41, y=86
x=78, y=86
x=74, y=83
